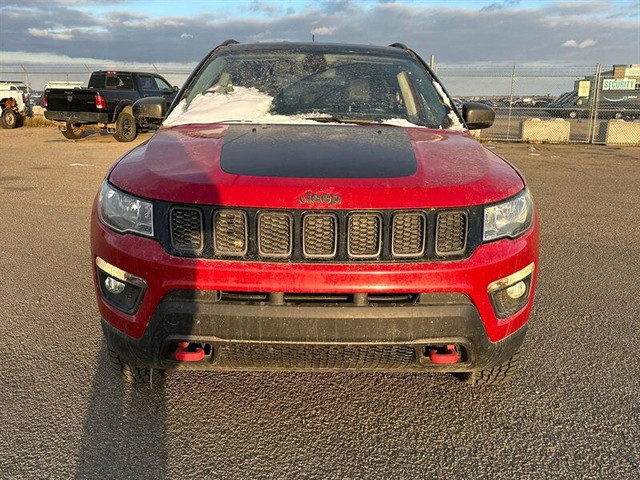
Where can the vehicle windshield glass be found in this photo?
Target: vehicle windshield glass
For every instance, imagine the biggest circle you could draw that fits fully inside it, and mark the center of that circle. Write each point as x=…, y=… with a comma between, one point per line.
x=286, y=87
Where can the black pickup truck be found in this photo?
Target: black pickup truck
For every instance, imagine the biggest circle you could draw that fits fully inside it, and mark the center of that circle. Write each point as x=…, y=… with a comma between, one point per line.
x=105, y=103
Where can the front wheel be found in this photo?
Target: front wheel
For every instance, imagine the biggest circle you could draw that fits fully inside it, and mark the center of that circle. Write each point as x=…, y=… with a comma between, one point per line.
x=491, y=376
x=11, y=119
x=126, y=129
x=135, y=373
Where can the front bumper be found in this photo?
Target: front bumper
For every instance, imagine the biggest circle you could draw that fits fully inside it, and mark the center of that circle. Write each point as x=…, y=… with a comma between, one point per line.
x=160, y=318
x=274, y=337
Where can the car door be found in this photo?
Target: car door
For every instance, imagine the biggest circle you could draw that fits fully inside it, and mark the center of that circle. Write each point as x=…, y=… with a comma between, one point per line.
x=167, y=91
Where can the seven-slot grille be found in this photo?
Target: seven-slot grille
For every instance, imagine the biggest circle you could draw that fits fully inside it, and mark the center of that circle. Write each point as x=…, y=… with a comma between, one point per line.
x=340, y=235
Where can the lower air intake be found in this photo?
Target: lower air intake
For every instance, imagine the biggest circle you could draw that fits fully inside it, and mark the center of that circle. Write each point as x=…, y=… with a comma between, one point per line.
x=338, y=357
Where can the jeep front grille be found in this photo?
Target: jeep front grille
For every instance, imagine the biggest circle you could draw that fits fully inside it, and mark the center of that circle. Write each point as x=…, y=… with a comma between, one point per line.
x=319, y=236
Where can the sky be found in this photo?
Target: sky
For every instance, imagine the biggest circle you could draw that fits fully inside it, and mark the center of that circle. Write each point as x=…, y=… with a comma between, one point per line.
x=455, y=31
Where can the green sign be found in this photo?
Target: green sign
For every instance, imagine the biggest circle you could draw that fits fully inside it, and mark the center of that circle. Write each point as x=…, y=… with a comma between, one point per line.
x=622, y=84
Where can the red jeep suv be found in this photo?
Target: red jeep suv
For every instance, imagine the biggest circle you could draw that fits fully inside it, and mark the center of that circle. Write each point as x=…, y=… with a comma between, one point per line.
x=314, y=206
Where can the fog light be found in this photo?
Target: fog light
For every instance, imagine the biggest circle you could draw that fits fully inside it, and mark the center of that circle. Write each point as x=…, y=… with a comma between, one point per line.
x=517, y=290
x=118, y=288
x=113, y=286
x=510, y=294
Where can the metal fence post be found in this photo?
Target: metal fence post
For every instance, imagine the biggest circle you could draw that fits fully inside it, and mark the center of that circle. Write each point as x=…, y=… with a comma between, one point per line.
x=594, y=107
x=513, y=81
x=26, y=78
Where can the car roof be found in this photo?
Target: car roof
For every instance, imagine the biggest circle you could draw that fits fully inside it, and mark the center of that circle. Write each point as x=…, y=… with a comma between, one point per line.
x=317, y=47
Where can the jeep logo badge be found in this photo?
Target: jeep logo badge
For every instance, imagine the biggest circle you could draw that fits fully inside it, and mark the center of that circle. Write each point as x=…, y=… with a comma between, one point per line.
x=330, y=198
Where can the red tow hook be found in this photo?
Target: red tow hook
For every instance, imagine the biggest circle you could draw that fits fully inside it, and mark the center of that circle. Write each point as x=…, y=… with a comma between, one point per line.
x=193, y=355
x=444, y=354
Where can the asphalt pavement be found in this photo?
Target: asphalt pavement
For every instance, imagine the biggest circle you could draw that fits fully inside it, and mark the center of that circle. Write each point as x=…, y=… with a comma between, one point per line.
x=573, y=409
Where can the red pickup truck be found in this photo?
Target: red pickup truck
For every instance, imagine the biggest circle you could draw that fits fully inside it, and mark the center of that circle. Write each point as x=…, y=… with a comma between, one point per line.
x=314, y=206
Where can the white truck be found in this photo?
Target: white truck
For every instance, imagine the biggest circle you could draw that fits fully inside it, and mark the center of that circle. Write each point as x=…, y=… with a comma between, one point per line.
x=13, y=104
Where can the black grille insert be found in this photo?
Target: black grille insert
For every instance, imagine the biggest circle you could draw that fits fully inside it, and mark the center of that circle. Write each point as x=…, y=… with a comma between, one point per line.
x=365, y=235
x=409, y=234
x=186, y=229
x=275, y=234
x=319, y=235
x=451, y=234
x=230, y=232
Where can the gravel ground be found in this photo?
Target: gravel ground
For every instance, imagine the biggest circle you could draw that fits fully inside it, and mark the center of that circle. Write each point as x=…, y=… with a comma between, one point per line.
x=573, y=410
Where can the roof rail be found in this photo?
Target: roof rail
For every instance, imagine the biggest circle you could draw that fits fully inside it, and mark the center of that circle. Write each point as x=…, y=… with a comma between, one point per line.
x=400, y=45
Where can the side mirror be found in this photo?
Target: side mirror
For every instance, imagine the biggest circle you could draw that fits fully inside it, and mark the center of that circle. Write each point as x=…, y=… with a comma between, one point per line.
x=176, y=88
x=478, y=115
x=149, y=110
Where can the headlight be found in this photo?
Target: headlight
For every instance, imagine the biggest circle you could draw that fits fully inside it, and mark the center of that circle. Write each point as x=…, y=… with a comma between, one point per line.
x=124, y=212
x=509, y=218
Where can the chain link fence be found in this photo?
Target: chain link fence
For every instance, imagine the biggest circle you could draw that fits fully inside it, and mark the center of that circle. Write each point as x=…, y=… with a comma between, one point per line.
x=537, y=103
x=546, y=103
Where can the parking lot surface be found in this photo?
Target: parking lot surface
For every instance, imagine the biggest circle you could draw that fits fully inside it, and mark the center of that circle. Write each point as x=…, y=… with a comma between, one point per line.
x=573, y=410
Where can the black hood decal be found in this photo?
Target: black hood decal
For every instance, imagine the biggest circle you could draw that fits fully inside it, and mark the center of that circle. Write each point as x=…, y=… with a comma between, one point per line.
x=322, y=151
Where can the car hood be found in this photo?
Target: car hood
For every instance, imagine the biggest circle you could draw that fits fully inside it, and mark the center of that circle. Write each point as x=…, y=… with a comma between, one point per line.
x=315, y=166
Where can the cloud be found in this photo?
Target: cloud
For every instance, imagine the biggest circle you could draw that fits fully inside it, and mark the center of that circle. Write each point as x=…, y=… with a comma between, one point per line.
x=507, y=34
x=322, y=31
x=589, y=42
x=37, y=32
x=186, y=36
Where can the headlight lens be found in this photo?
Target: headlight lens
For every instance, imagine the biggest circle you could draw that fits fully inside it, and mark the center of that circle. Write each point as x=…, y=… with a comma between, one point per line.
x=124, y=212
x=509, y=218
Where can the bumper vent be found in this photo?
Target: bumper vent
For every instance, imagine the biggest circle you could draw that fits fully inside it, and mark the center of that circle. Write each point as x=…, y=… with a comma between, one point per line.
x=186, y=229
x=365, y=235
x=275, y=234
x=408, y=234
x=230, y=232
x=451, y=234
x=319, y=235
x=342, y=357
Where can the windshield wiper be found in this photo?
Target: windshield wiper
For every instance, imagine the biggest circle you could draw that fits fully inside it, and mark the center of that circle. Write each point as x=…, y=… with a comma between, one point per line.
x=337, y=119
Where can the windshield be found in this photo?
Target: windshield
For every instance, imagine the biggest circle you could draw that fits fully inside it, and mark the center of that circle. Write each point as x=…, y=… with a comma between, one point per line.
x=285, y=87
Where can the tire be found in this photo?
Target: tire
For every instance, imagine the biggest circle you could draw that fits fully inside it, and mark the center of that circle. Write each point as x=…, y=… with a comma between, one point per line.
x=11, y=119
x=491, y=376
x=135, y=373
x=126, y=128
x=72, y=133
x=573, y=114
